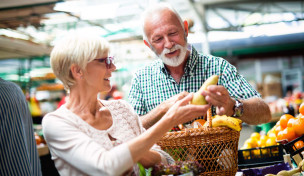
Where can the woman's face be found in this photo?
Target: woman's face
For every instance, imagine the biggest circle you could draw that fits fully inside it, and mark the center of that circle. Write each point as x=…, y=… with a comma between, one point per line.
x=98, y=75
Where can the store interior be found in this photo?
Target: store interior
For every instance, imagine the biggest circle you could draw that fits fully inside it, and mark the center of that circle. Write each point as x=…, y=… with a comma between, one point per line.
x=263, y=39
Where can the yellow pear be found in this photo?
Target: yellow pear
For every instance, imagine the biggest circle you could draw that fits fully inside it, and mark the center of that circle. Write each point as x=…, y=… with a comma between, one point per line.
x=198, y=98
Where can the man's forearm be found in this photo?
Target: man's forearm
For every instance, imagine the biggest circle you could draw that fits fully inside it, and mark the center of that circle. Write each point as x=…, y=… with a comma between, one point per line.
x=256, y=111
x=152, y=117
x=157, y=113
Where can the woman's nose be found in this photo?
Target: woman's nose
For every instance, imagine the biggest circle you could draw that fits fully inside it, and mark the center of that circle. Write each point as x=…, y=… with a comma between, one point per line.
x=112, y=67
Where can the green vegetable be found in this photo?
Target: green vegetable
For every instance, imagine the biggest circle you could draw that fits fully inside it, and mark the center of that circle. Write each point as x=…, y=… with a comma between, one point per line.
x=142, y=170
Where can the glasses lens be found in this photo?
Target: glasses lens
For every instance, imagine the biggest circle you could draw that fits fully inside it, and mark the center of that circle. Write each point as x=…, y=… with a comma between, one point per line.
x=110, y=60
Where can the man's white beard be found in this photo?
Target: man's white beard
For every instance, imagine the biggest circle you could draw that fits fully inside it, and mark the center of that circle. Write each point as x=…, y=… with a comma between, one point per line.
x=174, y=61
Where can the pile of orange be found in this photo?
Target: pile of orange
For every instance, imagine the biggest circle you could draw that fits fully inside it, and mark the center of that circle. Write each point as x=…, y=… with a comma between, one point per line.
x=290, y=127
x=257, y=140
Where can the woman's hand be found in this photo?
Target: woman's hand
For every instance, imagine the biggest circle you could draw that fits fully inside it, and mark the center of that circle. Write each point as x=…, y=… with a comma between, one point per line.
x=182, y=111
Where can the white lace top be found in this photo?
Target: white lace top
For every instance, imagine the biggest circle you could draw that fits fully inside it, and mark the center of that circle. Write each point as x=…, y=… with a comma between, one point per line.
x=79, y=149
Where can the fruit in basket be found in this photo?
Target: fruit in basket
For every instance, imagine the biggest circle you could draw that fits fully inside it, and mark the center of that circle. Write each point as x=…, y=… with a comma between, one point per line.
x=198, y=98
x=198, y=123
x=231, y=122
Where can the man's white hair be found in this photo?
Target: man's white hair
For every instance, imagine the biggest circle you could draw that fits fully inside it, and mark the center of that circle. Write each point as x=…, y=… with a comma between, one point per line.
x=156, y=8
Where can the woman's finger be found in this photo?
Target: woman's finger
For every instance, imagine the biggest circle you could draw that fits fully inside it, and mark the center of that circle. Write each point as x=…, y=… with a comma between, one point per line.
x=186, y=99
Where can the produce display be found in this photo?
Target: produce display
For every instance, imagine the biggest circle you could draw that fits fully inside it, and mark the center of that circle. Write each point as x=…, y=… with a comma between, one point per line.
x=259, y=142
x=286, y=129
x=289, y=127
x=287, y=105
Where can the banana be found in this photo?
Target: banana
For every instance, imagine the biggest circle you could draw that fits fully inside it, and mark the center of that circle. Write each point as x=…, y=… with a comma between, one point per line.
x=230, y=122
x=198, y=98
x=235, y=119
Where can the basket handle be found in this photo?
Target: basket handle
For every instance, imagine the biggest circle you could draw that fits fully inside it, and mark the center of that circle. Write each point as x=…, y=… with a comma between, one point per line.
x=209, y=118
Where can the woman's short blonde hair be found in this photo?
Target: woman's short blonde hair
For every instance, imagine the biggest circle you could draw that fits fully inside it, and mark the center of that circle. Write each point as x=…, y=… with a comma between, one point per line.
x=78, y=49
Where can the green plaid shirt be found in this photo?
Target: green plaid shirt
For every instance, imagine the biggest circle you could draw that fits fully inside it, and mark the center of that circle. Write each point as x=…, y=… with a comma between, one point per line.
x=152, y=84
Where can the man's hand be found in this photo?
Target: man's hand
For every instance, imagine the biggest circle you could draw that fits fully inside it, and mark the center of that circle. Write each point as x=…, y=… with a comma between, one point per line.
x=256, y=111
x=218, y=96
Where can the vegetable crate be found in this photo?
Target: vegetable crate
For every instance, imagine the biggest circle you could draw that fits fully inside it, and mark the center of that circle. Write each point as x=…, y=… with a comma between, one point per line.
x=292, y=149
x=260, y=156
x=216, y=149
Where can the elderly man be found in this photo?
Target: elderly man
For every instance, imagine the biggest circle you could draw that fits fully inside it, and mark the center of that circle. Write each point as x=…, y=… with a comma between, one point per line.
x=181, y=69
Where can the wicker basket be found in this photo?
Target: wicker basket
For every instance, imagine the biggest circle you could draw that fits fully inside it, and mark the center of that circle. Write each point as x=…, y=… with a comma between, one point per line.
x=216, y=149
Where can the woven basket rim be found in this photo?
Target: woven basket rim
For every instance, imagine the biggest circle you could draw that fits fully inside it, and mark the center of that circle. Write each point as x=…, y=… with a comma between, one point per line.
x=198, y=132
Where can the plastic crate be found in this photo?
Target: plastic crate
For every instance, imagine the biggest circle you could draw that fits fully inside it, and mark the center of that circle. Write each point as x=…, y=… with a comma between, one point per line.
x=272, y=169
x=261, y=156
x=291, y=149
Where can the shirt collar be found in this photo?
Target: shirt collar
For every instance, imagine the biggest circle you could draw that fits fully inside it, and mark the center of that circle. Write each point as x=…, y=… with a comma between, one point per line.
x=192, y=60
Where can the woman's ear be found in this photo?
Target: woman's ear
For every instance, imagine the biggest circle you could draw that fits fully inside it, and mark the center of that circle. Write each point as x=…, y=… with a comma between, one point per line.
x=76, y=71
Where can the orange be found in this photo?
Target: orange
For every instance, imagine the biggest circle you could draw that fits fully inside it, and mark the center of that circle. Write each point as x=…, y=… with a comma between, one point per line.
x=253, y=142
x=255, y=135
x=291, y=121
x=298, y=145
x=298, y=126
x=284, y=120
x=246, y=154
x=301, y=109
x=278, y=129
x=288, y=134
x=271, y=134
x=271, y=142
x=200, y=121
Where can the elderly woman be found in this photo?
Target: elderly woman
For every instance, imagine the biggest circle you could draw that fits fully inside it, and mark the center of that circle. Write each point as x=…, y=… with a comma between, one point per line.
x=90, y=136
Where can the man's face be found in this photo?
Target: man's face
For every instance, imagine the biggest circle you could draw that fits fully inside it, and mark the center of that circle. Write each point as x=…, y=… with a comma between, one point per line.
x=175, y=60
x=167, y=37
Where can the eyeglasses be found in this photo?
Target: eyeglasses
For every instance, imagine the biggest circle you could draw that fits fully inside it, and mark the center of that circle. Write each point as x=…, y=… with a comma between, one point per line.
x=108, y=60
